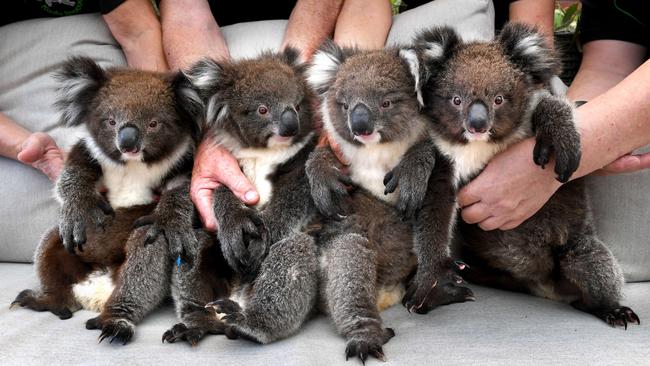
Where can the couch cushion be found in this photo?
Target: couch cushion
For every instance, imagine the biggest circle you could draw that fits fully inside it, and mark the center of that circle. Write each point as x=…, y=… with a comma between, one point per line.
x=499, y=327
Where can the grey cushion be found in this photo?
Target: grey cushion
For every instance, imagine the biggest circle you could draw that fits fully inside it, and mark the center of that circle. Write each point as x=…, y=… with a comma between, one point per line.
x=499, y=328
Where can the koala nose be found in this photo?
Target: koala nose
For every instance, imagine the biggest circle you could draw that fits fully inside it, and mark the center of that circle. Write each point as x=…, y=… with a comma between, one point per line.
x=128, y=139
x=477, y=118
x=289, y=123
x=360, y=120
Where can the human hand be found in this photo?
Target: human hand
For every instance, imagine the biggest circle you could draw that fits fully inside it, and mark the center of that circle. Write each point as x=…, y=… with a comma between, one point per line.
x=213, y=166
x=627, y=163
x=510, y=190
x=40, y=151
x=325, y=140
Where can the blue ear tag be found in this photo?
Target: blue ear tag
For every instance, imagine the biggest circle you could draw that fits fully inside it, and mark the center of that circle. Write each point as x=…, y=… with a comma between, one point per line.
x=178, y=263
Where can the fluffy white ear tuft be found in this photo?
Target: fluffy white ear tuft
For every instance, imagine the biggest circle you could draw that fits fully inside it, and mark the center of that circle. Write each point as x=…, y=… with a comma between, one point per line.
x=324, y=66
x=411, y=58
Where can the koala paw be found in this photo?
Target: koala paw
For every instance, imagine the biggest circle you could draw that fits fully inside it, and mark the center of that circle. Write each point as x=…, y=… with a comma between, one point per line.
x=31, y=300
x=368, y=343
x=621, y=316
x=426, y=293
x=180, y=236
x=328, y=185
x=73, y=218
x=243, y=237
x=412, y=181
x=232, y=312
x=117, y=329
x=567, y=154
x=181, y=332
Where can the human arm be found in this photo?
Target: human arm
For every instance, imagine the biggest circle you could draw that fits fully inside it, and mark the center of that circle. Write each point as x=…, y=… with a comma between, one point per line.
x=136, y=27
x=363, y=24
x=190, y=33
x=511, y=188
x=538, y=13
x=310, y=23
x=36, y=149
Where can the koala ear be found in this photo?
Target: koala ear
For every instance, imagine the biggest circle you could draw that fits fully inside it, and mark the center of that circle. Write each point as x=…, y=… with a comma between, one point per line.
x=410, y=56
x=292, y=56
x=188, y=103
x=80, y=80
x=435, y=46
x=209, y=80
x=324, y=66
x=528, y=51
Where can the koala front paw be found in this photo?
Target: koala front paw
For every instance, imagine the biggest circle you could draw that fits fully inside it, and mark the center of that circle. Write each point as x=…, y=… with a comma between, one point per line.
x=328, y=185
x=243, y=237
x=73, y=218
x=180, y=236
x=567, y=154
x=426, y=292
x=412, y=179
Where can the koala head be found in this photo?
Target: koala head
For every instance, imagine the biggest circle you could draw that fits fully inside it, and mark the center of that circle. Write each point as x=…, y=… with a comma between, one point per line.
x=482, y=91
x=130, y=114
x=255, y=103
x=368, y=97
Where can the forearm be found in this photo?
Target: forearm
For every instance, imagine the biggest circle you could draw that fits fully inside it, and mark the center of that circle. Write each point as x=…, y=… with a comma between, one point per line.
x=616, y=122
x=12, y=136
x=310, y=23
x=363, y=24
x=189, y=33
x=136, y=27
x=535, y=12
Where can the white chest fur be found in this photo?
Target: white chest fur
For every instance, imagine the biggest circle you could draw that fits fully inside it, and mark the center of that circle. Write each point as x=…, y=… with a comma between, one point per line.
x=369, y=164
x=259, y=163
x=133, y=182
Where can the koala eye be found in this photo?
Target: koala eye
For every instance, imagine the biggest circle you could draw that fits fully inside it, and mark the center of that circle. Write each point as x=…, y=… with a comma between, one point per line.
x=111, y=121
x=346, y=106
x=385, y=104
x=456, y=100
x=153, y=124
x=262, y=110
x=498, y=100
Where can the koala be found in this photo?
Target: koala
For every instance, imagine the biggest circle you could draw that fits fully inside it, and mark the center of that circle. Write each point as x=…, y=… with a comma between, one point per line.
x=481, y=98
x=257, y=279
x=370, y=108
x=132, y=168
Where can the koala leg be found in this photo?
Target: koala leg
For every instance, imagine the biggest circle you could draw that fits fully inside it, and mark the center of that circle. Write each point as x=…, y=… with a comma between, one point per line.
x=588, y=265
x=58, y=271
x=142, y=284
x=350, y=291
x=282, y=296
x=193, y=286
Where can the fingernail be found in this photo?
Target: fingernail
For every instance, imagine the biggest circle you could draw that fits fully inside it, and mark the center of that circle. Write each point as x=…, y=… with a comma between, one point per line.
x=250, y=196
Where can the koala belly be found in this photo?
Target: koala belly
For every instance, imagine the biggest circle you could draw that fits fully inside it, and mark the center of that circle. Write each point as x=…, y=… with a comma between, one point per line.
x=104, y=253
x=389, y=238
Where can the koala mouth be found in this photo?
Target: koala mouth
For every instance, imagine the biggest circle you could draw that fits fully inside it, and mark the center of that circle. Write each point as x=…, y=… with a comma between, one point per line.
x=477, y=136
x=279, y=141
x=371, y=138
x=131, y=154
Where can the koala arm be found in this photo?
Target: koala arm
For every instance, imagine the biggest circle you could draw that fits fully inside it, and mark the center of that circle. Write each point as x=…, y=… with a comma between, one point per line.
x=327, y=182
x=291, y=206
x=174, y=217
x=556, y=133
x=411, y=175
x=76, y=188
x=435, y=282
x=241, y=232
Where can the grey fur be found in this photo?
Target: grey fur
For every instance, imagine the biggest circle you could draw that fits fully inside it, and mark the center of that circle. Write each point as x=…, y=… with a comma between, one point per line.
x=555, y=253
x=367, y=244
x=97, y=232
x=271, y=285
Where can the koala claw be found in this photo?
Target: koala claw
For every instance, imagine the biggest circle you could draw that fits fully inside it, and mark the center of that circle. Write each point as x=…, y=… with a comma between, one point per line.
x=412, y=182
x=72, y=226
x=422, y=297
x=180, y=237
x=243, y=237
x=567, y=156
